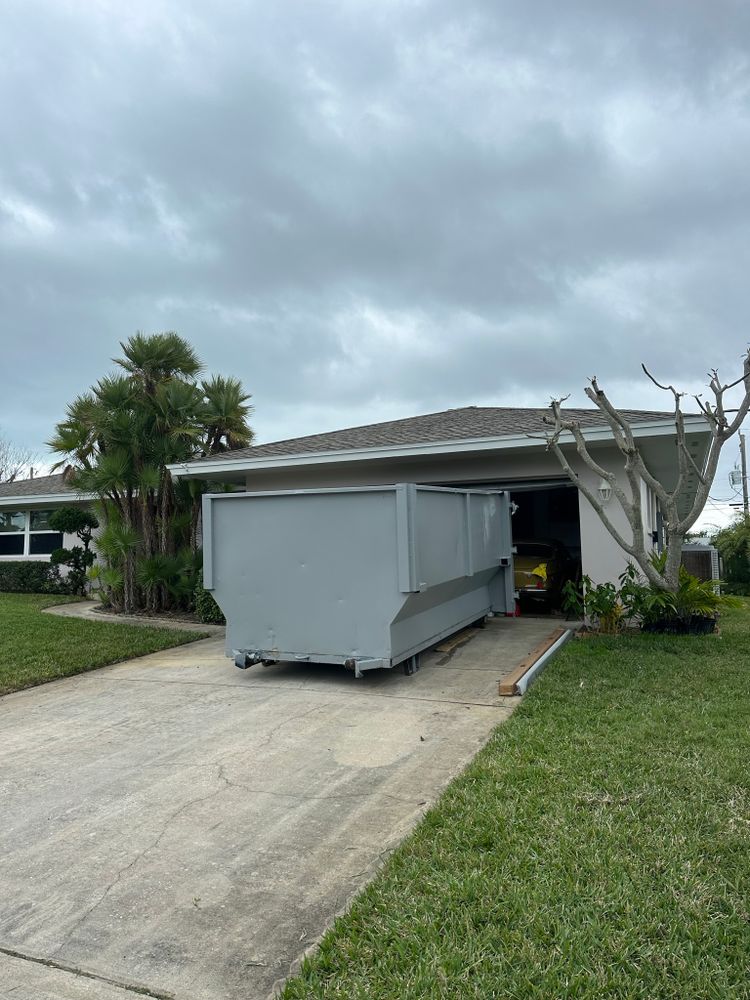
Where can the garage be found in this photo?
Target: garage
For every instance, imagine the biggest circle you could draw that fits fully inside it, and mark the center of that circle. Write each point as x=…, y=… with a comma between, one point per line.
x=547, y=539
x=546, y=528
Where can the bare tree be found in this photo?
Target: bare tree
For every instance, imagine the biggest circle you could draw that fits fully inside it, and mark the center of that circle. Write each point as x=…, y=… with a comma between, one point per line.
x=722, y=424
x=15, y=461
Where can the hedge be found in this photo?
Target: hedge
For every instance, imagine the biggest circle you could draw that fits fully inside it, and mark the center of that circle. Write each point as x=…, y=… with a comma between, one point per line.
x=206, y=608
x=31, y=578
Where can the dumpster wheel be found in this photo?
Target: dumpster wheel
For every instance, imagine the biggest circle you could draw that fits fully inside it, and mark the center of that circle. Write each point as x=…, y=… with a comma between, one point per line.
x=411, y=666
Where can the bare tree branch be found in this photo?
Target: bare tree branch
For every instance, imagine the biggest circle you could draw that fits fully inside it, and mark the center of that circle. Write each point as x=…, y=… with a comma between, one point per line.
x=637, y=472
x=15, y=461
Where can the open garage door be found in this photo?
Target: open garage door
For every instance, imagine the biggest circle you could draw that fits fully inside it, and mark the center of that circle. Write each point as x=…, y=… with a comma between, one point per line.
x=546, y=537
x=547, y=540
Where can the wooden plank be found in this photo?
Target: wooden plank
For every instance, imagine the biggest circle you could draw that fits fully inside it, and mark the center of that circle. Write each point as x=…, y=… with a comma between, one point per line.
x=454, y=641
x=507, y=685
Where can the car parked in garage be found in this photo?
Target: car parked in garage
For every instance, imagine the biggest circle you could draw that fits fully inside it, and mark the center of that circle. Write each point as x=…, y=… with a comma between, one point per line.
x=541, y=568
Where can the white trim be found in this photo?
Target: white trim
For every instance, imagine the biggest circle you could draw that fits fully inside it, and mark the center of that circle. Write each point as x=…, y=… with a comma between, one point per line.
x=203, y=468
x=47, y=499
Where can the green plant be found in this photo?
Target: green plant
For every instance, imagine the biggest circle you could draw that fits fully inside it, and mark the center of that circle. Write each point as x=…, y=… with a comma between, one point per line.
x=573, y=598
x=206, y=608
x=638, y=601
x=600, y=603
x=31, y=578
x=733, y=543
x=79, y=559
x=175, y=574
x=693, y=606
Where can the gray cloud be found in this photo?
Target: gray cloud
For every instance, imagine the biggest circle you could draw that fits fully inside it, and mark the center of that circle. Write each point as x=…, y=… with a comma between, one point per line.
x=369, y=210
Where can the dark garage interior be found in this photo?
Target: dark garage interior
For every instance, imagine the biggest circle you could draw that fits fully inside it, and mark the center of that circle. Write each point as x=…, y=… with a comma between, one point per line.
x=547, y=537
x=546, y=533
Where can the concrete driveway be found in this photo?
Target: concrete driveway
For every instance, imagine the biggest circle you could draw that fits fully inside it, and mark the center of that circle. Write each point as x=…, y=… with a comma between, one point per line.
x=173, y=827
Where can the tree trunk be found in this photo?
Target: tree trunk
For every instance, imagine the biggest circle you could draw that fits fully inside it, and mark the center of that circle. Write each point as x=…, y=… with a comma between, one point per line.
x=148, y=523
x=166, y=508
x=129, y=590
x=196, y=504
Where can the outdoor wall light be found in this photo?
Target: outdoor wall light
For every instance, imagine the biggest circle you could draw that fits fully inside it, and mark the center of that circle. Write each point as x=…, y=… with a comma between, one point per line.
x=604, y=491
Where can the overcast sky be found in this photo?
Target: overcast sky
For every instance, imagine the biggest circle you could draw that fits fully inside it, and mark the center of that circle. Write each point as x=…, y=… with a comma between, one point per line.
x=368, y=210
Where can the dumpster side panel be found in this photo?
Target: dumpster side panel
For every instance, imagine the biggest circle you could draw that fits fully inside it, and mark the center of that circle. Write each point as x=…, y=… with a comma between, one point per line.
x=459, y=544
x=441, y=537
x=428, y=617
x=310, y=573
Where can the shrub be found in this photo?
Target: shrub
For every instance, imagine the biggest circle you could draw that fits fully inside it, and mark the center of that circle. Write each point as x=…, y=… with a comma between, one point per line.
x=206, y=607
x=79, y=559
x=692, y=608
x=31, y=578
x=733, y=543
x=108, y=581
x=602, y=603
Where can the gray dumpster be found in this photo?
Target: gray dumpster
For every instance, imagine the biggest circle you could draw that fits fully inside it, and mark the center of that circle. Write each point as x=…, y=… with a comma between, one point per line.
x=366, y=577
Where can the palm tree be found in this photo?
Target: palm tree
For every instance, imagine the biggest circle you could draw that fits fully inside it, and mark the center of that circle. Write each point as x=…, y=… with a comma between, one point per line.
x=225, y=417
x=121, y=435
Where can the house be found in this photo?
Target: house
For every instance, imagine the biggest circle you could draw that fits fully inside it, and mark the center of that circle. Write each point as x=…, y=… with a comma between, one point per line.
x=25, y=509
x=493, y=447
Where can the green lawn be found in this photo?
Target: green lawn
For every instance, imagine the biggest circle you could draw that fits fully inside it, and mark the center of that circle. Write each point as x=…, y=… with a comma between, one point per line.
x=599, y=846
x=35, y=648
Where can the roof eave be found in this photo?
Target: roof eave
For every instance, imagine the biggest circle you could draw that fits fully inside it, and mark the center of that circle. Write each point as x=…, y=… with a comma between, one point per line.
x=48, y=499
x=222, y=467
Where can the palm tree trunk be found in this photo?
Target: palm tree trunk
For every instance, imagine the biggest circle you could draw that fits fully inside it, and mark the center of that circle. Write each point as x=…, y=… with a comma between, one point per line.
x=196, y=503
x=165, y=502
x=148, y=523
x=166, y=508
x=129, y=591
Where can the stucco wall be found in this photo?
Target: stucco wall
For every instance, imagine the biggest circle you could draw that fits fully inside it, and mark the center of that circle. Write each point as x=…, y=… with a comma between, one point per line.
x=602, y=558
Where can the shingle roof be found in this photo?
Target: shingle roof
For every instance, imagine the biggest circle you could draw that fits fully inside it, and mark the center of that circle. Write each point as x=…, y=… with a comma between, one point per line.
x=448, y=425
x=39, y=486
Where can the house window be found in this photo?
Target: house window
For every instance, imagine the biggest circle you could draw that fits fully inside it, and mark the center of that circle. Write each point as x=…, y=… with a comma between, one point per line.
x=42, y=540
x=12, y=532
x=27, y=533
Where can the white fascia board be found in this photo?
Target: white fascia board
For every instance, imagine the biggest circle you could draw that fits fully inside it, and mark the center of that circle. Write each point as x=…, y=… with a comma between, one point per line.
x=206, y=469
x=46, y=499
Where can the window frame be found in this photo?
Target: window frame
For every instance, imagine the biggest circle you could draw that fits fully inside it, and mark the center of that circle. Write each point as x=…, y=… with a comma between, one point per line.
x=26, y=534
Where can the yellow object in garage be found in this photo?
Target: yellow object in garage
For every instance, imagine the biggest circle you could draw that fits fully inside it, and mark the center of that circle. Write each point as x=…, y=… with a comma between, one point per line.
x=529, y=574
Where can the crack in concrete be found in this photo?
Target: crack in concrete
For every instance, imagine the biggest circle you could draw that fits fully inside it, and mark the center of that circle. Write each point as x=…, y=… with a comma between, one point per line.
x=286, y=722
x=221, y=775
x=134, y=988
x=131, y=864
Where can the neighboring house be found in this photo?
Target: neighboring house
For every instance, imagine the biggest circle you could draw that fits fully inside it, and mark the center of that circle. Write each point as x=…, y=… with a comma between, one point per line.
x=25, y=509
x=494, y=447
